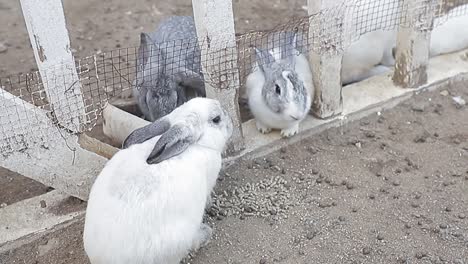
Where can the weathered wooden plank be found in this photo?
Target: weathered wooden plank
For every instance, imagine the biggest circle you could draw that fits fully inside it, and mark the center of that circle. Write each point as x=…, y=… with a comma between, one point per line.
x=328, y=101
x=413, y=39
x=38, y=149
x=49, y=39
x=214, y=20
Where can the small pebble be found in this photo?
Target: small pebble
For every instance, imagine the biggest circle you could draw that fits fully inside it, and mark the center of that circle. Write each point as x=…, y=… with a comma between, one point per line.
x=315, y=171
x=283, y=150
x=407, y=225
x=398, y=170
x=421, y=255
x=366, y=250
x=448, y=209
x=3, y=47
x=311, y=234
x=418, y=108
x=354, y=209
x=443, y=226
x=263, y=261
x=462, y=216
x=349, y=186
x=371, y=196
x=396, y=183
x=380, y=237
x=369, y=134
x=312, y=150
x=43, y=204
x=341, y=218
x=444, y=93
x=414, y=204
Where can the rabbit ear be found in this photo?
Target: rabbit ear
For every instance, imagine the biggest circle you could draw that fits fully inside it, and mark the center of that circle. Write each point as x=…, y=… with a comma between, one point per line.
x=192, y=80
x=263, y=58
x=144, y=50
x=141, y=135
x=172, y=143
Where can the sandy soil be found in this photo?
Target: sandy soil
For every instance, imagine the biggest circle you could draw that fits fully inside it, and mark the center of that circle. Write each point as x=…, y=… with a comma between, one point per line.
x=387, y=189
x=109, y=24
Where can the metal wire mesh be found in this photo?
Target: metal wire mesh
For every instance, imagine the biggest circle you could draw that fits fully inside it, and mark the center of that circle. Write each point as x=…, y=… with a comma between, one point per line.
x=70, y=97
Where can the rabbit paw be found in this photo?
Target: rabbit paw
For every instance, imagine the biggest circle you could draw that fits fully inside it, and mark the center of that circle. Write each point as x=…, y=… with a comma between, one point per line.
x=262, y=128
x=203, y=237
x=289, y=132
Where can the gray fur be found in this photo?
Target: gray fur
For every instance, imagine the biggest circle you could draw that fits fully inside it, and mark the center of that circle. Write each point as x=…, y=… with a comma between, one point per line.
x=177, y=139
x=273, y=69
x=147, y=132
x=168, y=68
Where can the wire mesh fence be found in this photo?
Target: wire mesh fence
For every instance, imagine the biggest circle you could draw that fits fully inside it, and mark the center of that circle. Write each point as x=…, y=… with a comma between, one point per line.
x=31, y=104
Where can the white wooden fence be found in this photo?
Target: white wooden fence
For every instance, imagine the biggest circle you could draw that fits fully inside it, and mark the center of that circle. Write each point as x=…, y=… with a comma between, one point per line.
x=49, y=39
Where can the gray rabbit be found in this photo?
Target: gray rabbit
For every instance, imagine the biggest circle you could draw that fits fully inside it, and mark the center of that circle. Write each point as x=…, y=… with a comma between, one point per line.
x=168, y=68
x=280, y=88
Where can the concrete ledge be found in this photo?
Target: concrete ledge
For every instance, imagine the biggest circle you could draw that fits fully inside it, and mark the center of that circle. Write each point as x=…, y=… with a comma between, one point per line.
x=29, y=218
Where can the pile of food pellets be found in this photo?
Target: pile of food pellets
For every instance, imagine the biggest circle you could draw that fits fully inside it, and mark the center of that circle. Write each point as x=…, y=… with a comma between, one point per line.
x=269, y=197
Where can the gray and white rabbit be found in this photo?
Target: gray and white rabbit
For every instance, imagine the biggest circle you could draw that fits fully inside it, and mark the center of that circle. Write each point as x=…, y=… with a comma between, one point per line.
x=280, y=87
x=168, y=67
x=147, y=204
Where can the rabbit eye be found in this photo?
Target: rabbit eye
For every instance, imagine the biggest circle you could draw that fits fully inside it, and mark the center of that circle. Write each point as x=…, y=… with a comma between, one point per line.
x=277, y=89
x=216, y=119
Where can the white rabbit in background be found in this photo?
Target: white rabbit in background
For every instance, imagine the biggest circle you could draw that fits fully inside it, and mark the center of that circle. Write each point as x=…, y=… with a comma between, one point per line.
x=374, y=52
x=280, y=88
x=147, y=204
x=452, y=34
x=371, y=53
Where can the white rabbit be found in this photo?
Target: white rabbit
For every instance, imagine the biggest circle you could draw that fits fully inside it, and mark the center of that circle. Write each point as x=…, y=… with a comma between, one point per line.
x=280, y=88
x=452, y=33
x=362, y=58
x=372, y=53
x=147, y=204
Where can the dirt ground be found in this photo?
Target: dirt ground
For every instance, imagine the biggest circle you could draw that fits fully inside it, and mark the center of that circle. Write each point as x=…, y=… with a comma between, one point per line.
x=109, y=24
x=388, y=189
x=391, y=188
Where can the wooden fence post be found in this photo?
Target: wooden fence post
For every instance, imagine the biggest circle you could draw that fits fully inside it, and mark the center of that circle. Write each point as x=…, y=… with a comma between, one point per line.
x=412, y=51
x=326, y=67
x=48, y=34
x=214, y=21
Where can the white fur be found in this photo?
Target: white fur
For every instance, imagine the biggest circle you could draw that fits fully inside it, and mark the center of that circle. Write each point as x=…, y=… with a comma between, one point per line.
x=145, y=214
x=452, y=35
x=362, y=56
